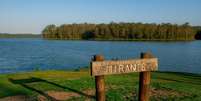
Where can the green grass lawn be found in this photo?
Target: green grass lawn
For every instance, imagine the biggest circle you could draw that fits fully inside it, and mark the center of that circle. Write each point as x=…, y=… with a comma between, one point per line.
x=165, y=86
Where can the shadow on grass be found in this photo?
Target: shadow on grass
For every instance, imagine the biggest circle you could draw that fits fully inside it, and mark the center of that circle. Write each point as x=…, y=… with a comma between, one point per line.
x=24, y=82
x=182, y=81
x=185, y=78
x=6, y=90
x=187, y=75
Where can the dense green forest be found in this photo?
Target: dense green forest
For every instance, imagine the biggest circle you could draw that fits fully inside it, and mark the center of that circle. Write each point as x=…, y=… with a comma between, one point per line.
x=6, y=35
x=120, y=31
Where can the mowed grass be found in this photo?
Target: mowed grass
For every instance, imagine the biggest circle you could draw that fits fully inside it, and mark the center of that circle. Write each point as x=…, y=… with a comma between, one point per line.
x=165, y=86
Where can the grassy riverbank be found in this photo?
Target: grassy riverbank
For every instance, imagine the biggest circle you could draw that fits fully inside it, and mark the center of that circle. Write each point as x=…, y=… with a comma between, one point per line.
x=6, y=35
x=79, y=85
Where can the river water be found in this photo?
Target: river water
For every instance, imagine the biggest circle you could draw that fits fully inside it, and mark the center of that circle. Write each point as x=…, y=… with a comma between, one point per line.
x=21, y=55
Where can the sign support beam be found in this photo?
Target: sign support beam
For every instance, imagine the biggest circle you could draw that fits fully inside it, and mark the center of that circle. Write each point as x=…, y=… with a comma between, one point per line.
x=144, y=84
x=100, y=83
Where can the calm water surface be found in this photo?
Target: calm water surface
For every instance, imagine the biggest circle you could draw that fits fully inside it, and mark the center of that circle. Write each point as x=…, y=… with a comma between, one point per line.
x=17, y=55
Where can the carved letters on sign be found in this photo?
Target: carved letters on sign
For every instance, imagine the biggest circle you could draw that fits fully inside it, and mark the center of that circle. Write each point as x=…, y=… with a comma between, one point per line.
x=123, y=66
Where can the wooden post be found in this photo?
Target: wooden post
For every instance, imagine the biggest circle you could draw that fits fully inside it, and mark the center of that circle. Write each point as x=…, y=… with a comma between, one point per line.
x=144, y=83
x=100, y=83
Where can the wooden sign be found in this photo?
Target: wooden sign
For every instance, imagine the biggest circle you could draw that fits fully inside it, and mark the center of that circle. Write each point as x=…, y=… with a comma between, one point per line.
x=123, y=66
x=145, y=65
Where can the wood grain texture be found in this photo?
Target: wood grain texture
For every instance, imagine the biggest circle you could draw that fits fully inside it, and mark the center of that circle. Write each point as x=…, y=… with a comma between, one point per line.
x=123, y=66
x=99, y=81
x=145, y=79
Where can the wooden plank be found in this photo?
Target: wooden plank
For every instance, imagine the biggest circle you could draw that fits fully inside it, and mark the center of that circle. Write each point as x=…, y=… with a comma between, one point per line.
x=100, y=83
x=123, y=66
x=145, y=79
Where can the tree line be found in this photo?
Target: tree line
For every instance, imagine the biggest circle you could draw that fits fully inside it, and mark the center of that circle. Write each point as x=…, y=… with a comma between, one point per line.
x=120, y=31
x=198, y=34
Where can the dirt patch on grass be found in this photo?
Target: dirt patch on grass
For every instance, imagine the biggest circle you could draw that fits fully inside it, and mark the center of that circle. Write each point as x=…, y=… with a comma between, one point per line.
x=160, y=94
x=17, y=98
x=58, y=95
x=90, y=93
x=63, y=96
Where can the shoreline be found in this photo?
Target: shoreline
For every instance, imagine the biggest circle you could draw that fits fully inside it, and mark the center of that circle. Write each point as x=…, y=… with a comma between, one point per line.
x=120, y=40
x=86, y=69
x=126, y=40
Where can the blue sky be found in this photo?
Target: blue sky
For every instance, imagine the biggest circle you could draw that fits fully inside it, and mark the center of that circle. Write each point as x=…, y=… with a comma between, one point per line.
x=31, y=16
